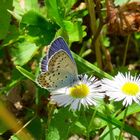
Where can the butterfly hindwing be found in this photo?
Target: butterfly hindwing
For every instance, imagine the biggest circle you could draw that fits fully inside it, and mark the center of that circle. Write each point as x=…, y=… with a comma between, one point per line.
x=56, y=79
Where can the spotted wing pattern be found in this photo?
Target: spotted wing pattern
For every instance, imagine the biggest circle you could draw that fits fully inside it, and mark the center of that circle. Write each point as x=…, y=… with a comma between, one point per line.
x=57, y=45
x=62, y=71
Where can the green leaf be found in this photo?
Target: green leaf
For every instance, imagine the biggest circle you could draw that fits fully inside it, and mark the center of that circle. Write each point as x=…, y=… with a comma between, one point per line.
x=80, y=125
x=31, y=5
x=38, y=27
x=5, y=17
x=106, y=41
x=134, y=108
x=57, y=10
x=67, y=5
x=26, y=73
x=137, y=35
x=23, y=6
x=75, y=30
x=52, y=133
x=9, y=39
x=85, y=66
x=54, y=11
x=23, y=52
x=14, y=137
x=35, y=128
x=60, y=124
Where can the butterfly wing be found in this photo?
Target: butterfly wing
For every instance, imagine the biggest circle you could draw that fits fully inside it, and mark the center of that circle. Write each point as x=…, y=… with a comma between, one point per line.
x=57, y=45
x=44, y=63
x=62, y=71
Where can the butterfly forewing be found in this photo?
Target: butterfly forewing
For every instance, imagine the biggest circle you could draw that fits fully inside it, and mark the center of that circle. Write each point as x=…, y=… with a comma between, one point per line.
x=57, y=45
x=44, y=63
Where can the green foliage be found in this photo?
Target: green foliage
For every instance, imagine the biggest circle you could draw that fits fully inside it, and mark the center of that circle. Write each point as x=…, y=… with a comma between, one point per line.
x=60, y=124
x=57, y=10
x=5, y=17
x=53, y=133
x=27, y=28
x=38, y=28
x=23, y=52
x=34, y=127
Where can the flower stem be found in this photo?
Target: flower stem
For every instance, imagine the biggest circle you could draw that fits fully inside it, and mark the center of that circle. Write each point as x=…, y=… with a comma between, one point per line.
x=92, y=119
x=109, y=124
x=87, y=133
x=121, y=130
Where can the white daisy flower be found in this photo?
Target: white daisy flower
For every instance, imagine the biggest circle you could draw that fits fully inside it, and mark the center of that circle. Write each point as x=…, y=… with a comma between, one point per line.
x=84, y=92
x=123, y=87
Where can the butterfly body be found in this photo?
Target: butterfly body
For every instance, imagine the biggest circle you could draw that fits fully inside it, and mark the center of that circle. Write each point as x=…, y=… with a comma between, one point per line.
x=58, y=68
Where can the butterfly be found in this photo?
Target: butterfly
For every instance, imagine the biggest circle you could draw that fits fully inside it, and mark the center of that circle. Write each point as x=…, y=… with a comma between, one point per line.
x=58, y=68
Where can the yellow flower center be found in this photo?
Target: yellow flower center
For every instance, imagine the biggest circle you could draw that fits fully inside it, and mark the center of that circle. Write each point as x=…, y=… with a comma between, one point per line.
x=79, y=91
x=130, y=88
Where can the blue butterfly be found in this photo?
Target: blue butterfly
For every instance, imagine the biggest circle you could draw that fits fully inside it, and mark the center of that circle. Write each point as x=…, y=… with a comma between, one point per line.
x=58, y=68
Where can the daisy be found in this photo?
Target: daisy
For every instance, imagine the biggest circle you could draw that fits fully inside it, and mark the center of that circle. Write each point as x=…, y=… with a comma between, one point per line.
x=84, y=92
x=123, y=87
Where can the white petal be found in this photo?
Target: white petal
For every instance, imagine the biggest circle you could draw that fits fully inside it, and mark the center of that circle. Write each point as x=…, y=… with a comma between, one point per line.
x=113, y=87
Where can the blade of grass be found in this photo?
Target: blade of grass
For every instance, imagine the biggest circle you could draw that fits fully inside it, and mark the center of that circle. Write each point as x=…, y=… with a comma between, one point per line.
x=118, y=124
x=85, y=66
x=9, y=86
x=26, y=73
x=13, y=125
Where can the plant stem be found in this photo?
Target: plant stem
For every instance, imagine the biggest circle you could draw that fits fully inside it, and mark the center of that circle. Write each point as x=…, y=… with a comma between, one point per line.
x=93, y=26
x=109, y=124
x=92, y=119
x=119, y=138
x=109, y=66
x=102, y=22
x=126, y=49
x=87, y=133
